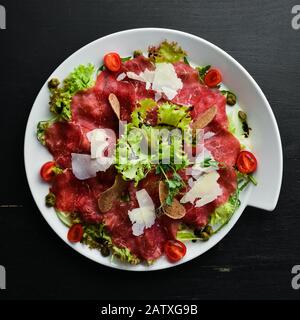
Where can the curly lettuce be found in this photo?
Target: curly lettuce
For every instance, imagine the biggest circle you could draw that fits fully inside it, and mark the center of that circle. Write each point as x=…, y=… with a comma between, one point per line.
x=174, y=115
x=81, y=78
x=167, y=52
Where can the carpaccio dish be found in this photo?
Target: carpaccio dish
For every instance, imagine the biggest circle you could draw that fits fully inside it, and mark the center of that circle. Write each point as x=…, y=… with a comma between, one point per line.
x=149, y=152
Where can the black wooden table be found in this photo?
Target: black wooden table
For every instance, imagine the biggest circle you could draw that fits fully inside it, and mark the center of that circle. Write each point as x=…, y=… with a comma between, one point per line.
x=255, y=259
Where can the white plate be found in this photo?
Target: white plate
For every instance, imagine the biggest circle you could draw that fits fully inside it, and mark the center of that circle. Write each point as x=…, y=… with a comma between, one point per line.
x=265, y=135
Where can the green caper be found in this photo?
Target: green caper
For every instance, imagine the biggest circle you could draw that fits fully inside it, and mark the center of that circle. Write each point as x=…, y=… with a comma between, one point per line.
x=197, y=232
x=53, y=83
x=242, y=115
x=105, y=251
x=230, y=98
x=50, y=199
x=209, y=230
x=137, y=53
x=204, y=236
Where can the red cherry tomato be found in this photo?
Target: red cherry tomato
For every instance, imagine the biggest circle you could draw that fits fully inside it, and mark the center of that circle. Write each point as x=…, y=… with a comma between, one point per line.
x=75, y=233
x=175, y=250
x=246, y=162
x=212, y=78
x=112, y=61
x=47, y=172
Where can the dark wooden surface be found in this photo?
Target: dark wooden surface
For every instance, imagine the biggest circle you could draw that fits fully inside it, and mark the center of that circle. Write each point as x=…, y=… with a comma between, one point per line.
x=254, y=261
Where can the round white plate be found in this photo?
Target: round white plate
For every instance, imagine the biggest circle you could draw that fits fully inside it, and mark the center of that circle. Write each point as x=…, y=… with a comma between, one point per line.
x=265, y=135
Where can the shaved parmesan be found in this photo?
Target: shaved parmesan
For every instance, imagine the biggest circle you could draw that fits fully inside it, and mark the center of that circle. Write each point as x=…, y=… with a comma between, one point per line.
x=84, y=167
x=144, y=216
x=208, y=135
x=206, y=188
x=121, y=76
x=166, y=80
x=163, y=80
x=99, y=142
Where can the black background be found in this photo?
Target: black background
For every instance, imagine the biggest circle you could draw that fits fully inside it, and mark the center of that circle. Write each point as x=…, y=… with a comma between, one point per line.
x=255, y=259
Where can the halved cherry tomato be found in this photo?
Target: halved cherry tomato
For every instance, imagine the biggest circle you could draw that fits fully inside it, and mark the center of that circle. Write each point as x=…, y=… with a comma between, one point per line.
x=75, y=233
x=246, y=162
x=175, y=250
x=112, y=61
x=213, y=78
x=47, y=172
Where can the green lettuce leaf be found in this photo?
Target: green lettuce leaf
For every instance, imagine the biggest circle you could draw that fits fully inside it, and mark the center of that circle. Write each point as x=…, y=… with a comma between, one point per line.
x=167, y=52
x=138, y=116
x=42, y=128
x=130, y=160
x=174, y=115
x=60, y=100
x=125, y=255
x=221, y=216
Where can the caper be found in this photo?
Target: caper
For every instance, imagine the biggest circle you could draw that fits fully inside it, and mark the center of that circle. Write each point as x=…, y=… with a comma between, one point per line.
x=208, y=229
x=204, y=236
x=242, y=115
x=230, y=98
x=137, y=53
x=53, y=83
x=105, y=251
x=50, y=199
x=197, y=232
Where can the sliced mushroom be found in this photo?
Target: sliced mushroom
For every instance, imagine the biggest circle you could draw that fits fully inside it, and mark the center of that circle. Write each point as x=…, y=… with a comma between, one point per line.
x=115, y=104
x=176, y=210
x=204, y=119
x=106, y=199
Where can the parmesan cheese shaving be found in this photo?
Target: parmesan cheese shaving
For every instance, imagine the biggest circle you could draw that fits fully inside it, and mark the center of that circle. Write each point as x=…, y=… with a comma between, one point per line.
x=144, y=216
x=206, y=188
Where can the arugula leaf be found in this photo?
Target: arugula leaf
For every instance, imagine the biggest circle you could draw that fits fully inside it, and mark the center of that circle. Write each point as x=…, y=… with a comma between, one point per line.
x=244, y=180
x=167, y=52
x=174, y=184
x=186, y=61
x=60, y=100
x=126, y=59
x=202, y=71
x=208, y=162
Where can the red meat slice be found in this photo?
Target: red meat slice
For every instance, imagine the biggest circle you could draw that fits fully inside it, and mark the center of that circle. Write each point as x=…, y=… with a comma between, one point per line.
x=199, y=216
x=124, y=90
x=63, y=138
x=91, y=110
x=199, y=96
x=73, y=195
x=138, y=65
x=223, y=146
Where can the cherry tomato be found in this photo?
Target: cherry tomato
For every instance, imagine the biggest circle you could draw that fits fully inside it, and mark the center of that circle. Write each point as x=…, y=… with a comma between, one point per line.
x=75, y=233
x=246, y=162
x=47, y=172
x=112, y=61
x=213, y=78
x=175, y=250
